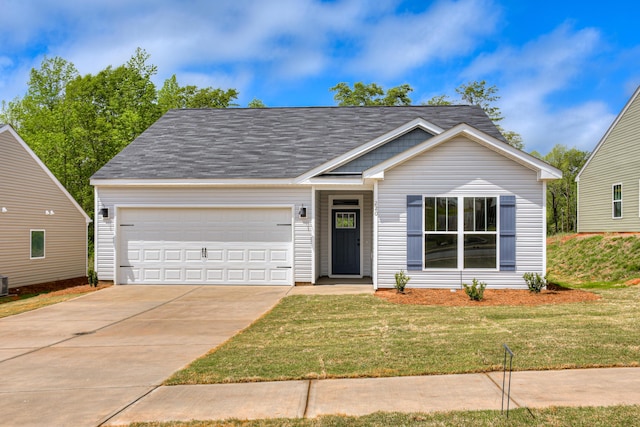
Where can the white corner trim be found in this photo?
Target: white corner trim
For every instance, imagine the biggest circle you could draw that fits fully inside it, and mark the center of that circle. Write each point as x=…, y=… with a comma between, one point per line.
x=12, y=132
x=371, y=145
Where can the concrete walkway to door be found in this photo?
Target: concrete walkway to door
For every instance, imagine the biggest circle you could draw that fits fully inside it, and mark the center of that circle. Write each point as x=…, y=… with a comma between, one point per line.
x=80, y=362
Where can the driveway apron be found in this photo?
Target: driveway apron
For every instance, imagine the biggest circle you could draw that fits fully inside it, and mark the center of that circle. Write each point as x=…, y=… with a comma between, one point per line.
x=80, y=362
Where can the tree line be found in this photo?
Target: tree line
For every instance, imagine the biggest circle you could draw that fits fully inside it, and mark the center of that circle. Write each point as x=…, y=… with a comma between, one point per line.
x=76, y=124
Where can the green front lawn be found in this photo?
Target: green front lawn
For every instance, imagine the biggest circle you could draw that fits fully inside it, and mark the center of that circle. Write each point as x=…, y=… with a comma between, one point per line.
x=363, y=336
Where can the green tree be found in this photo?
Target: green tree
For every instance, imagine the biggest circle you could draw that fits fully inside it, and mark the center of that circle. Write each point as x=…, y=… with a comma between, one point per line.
x=75, y=124
x=256, y=103
x=44, y=118
x=439, y=100
x=172, y=95
x=562, y=193
x=478, y=93
x=370, y=94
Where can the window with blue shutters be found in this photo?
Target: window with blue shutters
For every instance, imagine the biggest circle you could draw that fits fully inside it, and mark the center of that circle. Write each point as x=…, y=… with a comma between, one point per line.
x=460, y=232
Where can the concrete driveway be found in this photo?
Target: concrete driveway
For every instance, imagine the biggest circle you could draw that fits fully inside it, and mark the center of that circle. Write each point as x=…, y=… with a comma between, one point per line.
x=80, y=362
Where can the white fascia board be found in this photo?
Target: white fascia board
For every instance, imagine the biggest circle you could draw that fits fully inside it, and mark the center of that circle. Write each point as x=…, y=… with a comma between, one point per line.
x=371, y=145
x=333, y=181
x=7, y=128
x=545, y=171
x=608, y=132
x=189, y=182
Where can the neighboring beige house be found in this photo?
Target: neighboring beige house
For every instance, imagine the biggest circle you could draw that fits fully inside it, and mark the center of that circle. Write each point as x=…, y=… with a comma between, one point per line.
x=43, y=230
x=609, y=182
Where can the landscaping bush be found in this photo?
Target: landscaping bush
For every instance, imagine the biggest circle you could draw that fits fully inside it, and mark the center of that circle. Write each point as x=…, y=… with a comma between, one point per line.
x=401, y=281
x=535, y=282
x=476, y=290
x=93, y=278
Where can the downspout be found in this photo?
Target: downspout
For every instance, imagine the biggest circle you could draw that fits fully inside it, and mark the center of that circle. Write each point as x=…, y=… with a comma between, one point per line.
x=374, y=272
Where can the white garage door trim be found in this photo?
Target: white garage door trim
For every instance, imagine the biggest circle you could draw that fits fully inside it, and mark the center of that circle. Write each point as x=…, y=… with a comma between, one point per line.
x=205, y=245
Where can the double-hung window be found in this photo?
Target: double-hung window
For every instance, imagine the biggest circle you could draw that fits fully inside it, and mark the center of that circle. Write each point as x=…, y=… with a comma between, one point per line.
x=460, y=232
x=617, y=200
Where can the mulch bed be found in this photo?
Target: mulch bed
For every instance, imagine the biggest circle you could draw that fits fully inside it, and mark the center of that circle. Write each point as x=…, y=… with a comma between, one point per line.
x=552, y=295
x=59, y=287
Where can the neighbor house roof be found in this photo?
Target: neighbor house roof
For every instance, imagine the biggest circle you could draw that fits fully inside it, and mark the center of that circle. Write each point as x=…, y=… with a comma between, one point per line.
x=268, y=143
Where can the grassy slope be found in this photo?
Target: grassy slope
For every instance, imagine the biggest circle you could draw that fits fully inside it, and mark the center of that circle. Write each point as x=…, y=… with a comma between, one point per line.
x=589, y=261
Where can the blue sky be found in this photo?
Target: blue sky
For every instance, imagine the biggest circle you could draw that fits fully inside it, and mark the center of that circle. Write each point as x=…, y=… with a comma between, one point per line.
x=564, y=69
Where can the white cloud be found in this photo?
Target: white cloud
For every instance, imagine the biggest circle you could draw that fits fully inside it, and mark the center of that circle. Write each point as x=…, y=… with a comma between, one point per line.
x=529, y=76
x=446, y=30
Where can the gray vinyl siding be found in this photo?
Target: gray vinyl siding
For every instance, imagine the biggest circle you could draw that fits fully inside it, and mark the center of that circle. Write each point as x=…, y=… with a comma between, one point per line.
x=191, y=197
x=366, y=215
x=459, y=167
x=27, y=191
x=385, y=152
x=615, y=161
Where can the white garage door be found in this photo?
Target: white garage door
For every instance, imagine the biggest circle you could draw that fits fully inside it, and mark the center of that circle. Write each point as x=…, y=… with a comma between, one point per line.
x=205, y=246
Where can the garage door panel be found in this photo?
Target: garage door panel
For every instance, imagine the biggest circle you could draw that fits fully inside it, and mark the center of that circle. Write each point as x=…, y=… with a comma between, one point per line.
x=280, y=274
x=173, y=274
x=236, y=275
x=215, y=275
x=242, y=246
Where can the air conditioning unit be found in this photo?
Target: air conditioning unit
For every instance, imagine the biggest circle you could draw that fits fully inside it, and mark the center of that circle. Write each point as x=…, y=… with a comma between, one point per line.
x=4, y=286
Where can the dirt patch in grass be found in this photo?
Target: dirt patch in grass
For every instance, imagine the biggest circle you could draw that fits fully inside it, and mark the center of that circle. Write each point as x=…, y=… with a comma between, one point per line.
x=553, y=295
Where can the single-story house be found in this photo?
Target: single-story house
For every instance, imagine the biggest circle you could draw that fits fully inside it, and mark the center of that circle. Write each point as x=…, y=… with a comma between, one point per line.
x=284, y=196
x=609, y=181
x=43, y=230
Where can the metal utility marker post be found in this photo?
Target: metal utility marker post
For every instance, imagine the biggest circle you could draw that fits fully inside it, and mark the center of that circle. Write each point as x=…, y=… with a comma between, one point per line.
x=507, y=350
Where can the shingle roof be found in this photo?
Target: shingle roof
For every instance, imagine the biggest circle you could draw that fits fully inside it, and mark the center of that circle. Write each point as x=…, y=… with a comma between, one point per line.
x=267, y=142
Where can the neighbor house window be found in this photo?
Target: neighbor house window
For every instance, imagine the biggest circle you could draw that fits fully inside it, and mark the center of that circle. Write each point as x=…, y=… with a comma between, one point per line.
x=37, y=244
x=465, y=238
x=617, y=200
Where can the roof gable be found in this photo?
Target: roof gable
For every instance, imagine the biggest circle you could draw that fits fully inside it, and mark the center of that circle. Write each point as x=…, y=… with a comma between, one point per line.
x=18, y=140
x=271, y=143
x=544, y=170
x=634, y=98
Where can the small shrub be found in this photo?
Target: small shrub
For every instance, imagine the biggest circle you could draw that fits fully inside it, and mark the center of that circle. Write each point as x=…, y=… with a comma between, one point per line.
x=535, y=282
x=93, y=278
x=401, y=281
x=476, y=290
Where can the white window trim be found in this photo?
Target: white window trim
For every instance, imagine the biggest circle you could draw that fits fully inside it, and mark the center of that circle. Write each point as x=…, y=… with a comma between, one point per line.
x=461, y=233
x=613, y=201
x=44, y=244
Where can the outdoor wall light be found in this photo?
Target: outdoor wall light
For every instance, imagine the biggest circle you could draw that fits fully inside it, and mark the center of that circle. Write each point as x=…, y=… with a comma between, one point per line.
x=3, y=210
x=302, y=213
x=51, y=212
x=104, y=212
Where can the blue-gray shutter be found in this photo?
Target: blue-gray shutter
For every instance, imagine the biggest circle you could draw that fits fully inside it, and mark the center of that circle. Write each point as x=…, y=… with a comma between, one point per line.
x=414, y=233
x=507, y=233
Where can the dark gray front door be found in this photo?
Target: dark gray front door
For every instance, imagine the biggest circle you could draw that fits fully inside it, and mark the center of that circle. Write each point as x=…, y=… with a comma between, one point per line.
x=345, y=242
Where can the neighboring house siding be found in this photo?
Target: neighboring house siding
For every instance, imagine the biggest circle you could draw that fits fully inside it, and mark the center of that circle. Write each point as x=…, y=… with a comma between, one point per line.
x=27, y=191
x=366, y=214
x=615, y=161
x=388, y=150
x=459, y=167
x=207, y=197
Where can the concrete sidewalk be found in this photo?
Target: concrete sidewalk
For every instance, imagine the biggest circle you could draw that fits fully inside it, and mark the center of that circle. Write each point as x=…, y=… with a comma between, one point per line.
x=312, y=398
